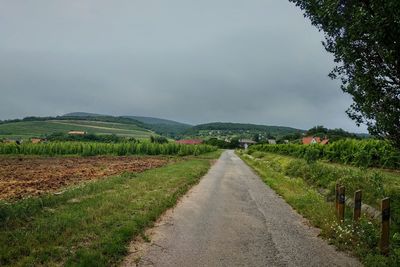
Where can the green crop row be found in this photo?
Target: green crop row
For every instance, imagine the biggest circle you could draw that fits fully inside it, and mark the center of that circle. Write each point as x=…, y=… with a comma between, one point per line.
x=362, y=153
x=95, y=148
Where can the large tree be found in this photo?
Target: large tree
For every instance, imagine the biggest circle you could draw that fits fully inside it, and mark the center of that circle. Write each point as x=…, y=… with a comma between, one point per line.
x=364, y=37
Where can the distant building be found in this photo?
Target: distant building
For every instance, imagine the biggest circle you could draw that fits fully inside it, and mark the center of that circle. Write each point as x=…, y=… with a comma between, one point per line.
x=37, y=140
x=13, y=141
x=325, y=141
x=272, y=141
x=190, y=141
x=245, y=143
x=9, y=141
x=310, y=140
x=77, y=132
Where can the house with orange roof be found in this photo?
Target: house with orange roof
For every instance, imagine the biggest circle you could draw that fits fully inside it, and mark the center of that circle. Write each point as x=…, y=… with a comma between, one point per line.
x=310, y=140
x=190, y=141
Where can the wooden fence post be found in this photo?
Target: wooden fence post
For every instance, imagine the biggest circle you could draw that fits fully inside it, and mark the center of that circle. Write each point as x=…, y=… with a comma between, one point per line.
x=337, y=200
x=384, y=242
x=357, y=205
x=342, y=201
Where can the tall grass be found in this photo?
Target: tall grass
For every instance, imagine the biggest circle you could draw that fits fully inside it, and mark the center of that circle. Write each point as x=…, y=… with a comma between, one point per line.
x=362, y=153
x=95, y=148
x=298, y=182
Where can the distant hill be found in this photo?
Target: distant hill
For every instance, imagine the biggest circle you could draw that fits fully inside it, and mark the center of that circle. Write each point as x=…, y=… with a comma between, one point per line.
x=40, y=128
x=170, y=128
x=164, y=127
x=152, y=121
x=242, y=126
x=143, y=127
x=241, y=130
x=83, y=114
x=143, y=119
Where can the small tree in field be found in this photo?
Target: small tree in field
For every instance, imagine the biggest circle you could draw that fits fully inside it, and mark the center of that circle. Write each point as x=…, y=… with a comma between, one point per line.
x=364, y=37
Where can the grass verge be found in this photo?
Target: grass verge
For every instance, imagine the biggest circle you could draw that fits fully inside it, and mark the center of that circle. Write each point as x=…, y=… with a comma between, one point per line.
x=302, y=194
x=92, y=225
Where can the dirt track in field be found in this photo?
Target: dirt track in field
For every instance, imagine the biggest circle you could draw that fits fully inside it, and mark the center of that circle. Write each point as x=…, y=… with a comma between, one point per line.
x=22, y=177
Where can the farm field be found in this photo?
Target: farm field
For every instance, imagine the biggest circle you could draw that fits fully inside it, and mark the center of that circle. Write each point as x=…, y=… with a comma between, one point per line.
x=93, y=223
x=27, y=129
x=31, y=176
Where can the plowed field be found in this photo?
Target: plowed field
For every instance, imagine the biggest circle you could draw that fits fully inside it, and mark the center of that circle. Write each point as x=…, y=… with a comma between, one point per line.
x=21, y=177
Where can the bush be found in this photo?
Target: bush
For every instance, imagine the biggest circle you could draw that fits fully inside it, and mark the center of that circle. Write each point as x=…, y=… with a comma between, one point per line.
x=362, y=153
x=158, y=139
x=106, y=138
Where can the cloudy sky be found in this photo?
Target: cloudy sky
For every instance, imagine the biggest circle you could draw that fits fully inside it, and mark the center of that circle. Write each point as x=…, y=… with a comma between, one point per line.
x=256, y=61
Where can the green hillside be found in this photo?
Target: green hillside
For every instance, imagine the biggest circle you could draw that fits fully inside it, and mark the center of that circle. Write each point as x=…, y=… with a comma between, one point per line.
x=164, y=127
x=152, y=121
x=239, y=130
x=27, y=129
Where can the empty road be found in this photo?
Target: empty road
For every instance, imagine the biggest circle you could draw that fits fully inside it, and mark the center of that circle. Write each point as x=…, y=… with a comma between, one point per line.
x=231, y=218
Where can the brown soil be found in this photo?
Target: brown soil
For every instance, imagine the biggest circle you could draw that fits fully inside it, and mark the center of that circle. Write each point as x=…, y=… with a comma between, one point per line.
x=22, y=177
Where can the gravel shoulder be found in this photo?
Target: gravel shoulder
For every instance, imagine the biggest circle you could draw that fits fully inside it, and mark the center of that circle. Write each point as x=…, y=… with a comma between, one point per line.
x=231, y=218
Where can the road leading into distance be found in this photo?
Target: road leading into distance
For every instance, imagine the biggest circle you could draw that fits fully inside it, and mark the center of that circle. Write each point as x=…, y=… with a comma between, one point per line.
x=231, y=218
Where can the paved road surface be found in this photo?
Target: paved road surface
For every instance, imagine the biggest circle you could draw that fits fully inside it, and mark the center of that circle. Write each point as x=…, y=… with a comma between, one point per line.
x=231, y=218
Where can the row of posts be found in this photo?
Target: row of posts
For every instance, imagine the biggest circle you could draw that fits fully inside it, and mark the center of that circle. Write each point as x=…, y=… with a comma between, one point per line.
x=385, y=209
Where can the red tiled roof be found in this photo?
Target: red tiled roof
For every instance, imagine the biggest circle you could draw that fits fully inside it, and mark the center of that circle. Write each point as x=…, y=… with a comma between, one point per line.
x=307, y=140
x=325, y=141
x=190, y=142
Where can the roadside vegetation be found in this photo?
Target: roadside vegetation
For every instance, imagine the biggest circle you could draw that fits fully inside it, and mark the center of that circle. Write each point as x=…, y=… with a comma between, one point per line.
x=309, y=186
x=361, y=153
x=93, y=223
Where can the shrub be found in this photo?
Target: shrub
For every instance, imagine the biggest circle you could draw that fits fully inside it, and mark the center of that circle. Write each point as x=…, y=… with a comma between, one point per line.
x=362, y=153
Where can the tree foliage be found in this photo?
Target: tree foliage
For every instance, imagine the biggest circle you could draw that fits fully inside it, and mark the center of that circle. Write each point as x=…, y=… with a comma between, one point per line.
x=106, y=138
x=364, y=37
x=332, y=134
x=158, y=139
x=222, y=143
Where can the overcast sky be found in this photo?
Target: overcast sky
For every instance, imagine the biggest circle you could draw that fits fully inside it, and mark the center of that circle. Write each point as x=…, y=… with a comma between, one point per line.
x=256, y=61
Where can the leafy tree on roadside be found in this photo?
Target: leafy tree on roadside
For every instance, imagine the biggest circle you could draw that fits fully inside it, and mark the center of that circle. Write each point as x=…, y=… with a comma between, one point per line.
x=234, y=143
x=256, y=137
x=364, y=37
x=332, y=134
x=218, y=143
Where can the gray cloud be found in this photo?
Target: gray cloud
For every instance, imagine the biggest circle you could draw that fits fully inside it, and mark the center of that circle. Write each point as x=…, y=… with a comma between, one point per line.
x=194, y=61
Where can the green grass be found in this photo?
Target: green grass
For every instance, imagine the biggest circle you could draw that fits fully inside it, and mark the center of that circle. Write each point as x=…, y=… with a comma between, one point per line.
x=298, y=183
x=92, y=225
x=27, y=129
x=295, y=191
